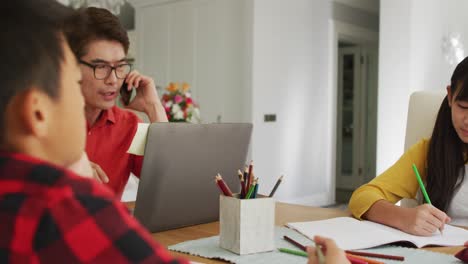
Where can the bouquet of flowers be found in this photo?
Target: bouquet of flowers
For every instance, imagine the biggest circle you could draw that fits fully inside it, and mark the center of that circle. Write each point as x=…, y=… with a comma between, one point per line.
x=179, y=104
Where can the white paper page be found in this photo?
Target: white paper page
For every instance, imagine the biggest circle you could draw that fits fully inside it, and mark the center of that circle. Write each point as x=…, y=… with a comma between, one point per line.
x=347, y=232
x=453, y=236
x=350, y=233
x=139, y=140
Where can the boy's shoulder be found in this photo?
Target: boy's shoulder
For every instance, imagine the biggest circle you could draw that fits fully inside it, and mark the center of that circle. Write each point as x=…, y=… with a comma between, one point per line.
x=45, y=182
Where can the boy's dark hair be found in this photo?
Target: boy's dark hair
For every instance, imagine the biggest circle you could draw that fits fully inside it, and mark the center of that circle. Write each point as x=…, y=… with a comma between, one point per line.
x=31, y=49
x=90, y=24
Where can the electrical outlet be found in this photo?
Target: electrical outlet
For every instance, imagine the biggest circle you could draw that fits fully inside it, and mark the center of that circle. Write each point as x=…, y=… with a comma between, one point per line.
x=269, y=118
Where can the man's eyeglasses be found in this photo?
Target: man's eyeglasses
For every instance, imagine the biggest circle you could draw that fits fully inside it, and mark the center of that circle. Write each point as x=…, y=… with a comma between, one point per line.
x=102, y=71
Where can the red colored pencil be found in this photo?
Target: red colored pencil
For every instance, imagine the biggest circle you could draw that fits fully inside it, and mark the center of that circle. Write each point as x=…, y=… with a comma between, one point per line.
x=368, y=261
x=354, y=260
x=250, y=177
x=242, y=182
x=222, y=185
x=375, y=255
x=294, y=242
x=246, y=179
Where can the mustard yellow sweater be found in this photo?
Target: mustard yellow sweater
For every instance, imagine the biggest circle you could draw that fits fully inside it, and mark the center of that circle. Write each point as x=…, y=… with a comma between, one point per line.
x=395, y=183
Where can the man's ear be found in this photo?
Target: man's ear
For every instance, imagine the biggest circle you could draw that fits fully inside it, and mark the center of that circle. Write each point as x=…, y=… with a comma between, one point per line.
x=35, y=112
x=449, y=95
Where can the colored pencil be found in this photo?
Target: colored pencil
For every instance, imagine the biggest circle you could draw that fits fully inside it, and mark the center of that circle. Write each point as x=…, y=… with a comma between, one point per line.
x=295, y=243
x=246, y=179
x=250, y=176
x=375, y=255
x=276, y=186
x=254, y=195
x=423, y=189
x=222, y=185
x=249, y=194
x=369, y=261
x=320, y=256
x=241, y=178
x=293, y=252
x=421, y=184
x=354, y=260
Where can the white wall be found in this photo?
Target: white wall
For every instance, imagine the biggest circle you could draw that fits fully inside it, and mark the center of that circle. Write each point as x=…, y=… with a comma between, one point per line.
x=394, y=49
x=411, y=59
x=290, y=79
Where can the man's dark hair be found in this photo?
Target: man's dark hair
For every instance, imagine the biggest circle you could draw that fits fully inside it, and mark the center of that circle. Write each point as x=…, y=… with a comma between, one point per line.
x=31, y=49
x=90, y=24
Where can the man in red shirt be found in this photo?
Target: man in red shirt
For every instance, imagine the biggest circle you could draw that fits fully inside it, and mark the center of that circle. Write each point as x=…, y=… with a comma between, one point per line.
x=101, y=47
x=49, y=214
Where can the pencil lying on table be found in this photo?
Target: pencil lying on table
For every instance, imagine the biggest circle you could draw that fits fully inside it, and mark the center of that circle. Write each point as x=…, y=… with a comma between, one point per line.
x=354, y=260
x=293, y=252
x=318, y=249
x=366, y=260
x=294, y=242
x=375, y=255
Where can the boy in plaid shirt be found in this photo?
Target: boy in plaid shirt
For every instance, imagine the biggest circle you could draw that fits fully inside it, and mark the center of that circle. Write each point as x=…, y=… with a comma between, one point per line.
x=48, y=214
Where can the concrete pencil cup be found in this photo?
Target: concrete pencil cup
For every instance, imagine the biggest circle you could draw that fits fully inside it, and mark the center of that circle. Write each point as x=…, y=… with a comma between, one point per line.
x=247, y=225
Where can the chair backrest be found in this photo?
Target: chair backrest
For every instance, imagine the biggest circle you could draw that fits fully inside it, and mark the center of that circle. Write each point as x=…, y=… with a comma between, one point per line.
x=422, y=113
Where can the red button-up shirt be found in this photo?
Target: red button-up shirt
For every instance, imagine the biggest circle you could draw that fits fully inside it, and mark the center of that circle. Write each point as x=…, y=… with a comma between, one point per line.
x=107, y=143
x=50, y=215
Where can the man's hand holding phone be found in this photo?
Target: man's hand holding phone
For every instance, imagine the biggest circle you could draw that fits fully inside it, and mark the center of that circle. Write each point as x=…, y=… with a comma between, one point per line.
x=146, y=99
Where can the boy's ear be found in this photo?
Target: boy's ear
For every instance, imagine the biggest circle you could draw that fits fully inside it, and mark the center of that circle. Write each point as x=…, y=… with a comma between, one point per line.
x=34, y=112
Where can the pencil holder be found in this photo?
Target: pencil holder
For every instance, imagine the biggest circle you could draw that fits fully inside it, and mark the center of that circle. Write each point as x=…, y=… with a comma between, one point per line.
x=247, y=225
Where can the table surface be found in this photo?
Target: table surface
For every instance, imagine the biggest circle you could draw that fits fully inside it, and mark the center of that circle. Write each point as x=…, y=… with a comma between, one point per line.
x=285, y=213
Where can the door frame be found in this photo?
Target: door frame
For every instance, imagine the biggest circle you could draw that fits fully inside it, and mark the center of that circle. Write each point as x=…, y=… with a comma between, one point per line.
x=341, y=31
x=358, y=115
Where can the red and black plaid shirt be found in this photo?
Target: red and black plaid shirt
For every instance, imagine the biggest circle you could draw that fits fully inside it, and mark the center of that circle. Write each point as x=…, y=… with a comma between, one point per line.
x=49, y=215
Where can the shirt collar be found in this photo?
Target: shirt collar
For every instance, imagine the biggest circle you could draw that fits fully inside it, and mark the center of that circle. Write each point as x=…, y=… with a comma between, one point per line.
x=107, y=116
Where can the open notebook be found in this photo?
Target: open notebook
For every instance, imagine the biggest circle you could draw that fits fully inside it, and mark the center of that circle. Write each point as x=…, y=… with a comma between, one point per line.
x=350, y=233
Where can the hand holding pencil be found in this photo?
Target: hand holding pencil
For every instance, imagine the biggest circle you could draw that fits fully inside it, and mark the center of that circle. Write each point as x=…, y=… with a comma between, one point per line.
x=425, y=219
x=327, y=252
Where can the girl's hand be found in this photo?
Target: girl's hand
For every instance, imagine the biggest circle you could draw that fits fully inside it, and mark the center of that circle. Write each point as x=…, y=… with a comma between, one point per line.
x=423, y=220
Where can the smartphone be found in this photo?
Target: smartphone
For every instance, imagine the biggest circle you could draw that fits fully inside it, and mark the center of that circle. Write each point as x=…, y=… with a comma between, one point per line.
x=125, y=93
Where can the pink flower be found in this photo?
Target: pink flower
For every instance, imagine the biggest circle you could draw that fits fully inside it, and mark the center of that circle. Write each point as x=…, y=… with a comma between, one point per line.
x=178, y=99
x=188, y=100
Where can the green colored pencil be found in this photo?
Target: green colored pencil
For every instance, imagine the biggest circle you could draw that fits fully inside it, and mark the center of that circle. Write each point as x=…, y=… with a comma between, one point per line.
x=293, y=252
x=423, y=189
x=251, y=190
x=421, y=184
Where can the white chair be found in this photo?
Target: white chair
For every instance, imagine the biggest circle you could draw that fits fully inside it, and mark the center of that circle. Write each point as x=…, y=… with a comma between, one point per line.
x=422, y=113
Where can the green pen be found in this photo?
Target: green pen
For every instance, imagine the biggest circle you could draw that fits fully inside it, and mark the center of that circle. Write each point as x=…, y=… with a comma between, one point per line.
x=423, y=189
x=293, y=252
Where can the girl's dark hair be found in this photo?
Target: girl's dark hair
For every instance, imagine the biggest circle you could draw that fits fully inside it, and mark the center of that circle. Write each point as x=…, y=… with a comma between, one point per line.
x=447, y=152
